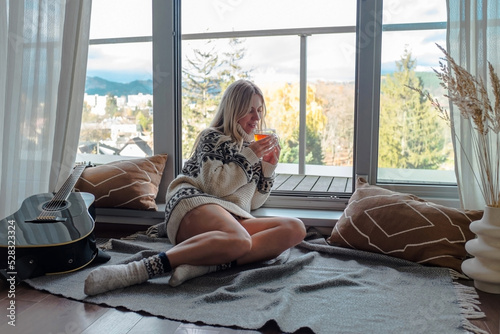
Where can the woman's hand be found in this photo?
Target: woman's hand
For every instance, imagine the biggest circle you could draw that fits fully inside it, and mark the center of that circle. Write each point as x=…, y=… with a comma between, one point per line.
x=274, y=156
x=268, y=149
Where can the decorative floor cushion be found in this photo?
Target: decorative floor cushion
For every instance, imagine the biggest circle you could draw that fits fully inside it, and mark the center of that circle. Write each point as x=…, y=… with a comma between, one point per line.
x=131, y=184
x=404, y=226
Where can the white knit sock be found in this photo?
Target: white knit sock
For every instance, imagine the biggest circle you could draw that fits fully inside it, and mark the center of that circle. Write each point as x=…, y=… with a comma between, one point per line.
x=186, y=272
x=114, y=277
x=119, y=276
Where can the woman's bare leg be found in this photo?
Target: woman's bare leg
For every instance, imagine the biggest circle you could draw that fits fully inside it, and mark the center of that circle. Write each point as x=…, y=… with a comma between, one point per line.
x=269, y=238
x=207, y=236
x=212, y=235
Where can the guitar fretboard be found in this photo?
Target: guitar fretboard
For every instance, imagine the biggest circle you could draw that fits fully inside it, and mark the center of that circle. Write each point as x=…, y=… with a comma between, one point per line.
x=59, y=200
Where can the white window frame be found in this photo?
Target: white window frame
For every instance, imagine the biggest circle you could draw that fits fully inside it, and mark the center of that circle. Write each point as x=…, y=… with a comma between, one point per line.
x=167, y=79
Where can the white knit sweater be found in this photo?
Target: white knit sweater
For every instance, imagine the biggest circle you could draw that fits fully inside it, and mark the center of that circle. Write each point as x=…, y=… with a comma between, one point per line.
x=218, y=173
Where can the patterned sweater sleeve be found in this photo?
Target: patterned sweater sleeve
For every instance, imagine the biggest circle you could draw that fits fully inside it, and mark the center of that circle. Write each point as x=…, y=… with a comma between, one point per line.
x=264, y=185
x=219, y=167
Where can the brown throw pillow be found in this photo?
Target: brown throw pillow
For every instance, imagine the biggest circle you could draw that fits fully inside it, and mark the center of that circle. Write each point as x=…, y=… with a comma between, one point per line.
x=404, y=226
x=131, y=184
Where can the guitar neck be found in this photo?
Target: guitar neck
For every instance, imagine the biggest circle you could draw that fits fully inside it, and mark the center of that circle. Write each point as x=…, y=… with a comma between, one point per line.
x=68, y=185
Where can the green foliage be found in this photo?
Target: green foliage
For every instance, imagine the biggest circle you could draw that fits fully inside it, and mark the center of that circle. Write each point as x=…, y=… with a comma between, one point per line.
x=290, y=148
x=283, y=114
x=411, y=133
x=144, y=121
x=111, y=109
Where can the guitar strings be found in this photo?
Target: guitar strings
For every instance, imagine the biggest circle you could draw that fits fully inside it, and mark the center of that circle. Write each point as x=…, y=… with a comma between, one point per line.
x=61, y=195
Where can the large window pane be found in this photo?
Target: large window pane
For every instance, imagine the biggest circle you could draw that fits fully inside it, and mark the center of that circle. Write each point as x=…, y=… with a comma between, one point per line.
x=330, y=104
x=120, y=18
x=273, y=47
x=404, y=11
x=210, y=65
x=202, y=16
x=117, y=117
x=414, y=143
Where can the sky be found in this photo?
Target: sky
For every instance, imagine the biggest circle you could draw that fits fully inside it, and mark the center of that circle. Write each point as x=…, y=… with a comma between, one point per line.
x=330, y=57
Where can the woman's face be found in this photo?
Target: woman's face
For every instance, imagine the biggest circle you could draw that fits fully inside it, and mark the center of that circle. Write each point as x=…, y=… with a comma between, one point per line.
x=251, y=120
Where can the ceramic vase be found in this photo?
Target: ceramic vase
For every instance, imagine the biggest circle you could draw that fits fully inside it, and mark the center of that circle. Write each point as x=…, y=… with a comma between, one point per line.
x=484, y=267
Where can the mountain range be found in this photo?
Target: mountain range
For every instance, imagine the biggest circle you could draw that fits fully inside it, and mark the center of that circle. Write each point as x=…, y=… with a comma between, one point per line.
x=100, y=86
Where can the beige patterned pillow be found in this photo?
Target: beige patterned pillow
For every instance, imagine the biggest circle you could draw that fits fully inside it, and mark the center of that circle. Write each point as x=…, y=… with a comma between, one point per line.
x=131, y=184
x=404, y=226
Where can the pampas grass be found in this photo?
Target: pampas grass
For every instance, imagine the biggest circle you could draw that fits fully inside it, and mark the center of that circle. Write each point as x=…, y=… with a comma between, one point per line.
x=470, y=96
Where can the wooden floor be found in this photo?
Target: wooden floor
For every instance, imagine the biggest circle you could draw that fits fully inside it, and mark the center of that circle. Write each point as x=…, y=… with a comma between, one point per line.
x=40, y=313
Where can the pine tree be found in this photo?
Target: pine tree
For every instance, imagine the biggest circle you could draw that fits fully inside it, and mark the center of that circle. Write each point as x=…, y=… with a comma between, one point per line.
x=411, y=134
x=207, y=74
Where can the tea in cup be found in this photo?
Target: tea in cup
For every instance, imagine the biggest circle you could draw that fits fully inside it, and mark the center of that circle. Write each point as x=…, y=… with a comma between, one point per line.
x=263, y=133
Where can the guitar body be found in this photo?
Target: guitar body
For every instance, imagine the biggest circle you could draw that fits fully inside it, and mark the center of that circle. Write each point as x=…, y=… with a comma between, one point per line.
x=48, y=236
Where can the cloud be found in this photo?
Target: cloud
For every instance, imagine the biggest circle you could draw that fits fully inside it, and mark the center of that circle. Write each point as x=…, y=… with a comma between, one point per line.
x=120, y=60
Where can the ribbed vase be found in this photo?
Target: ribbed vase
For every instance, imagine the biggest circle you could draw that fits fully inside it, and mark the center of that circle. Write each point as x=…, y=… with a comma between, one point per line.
x=484, y=267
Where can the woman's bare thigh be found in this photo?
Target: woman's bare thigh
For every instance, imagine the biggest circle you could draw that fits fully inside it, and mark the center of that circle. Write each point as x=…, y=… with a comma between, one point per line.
x=206, y=218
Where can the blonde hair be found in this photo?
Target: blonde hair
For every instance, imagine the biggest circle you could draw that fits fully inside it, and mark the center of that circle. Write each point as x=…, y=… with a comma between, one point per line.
x=234, y=105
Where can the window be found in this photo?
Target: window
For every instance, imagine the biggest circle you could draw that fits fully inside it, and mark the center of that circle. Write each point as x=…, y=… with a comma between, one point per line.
x=324, y=67
x=414, y=143
x=117, y=115
x=297, y=55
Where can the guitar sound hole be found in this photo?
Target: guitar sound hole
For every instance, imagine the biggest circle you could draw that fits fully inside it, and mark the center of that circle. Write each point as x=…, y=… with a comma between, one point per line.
x=55, y=205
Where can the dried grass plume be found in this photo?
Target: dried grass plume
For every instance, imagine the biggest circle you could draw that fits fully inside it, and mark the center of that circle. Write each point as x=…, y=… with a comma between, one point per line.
x=470, y=96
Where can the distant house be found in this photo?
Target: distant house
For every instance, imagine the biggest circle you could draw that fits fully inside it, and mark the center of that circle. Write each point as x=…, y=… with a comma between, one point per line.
x=107, y=149
x=121, y=129
x=136, y=147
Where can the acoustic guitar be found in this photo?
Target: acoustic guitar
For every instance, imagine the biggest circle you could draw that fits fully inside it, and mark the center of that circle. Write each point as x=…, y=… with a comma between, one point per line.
x=50, y=234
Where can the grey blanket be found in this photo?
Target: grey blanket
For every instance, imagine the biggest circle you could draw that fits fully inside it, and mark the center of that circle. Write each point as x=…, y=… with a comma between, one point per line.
x=314, y=285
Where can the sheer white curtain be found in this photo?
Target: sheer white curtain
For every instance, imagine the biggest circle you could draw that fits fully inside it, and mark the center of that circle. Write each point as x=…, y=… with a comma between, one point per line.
x=43, y=59
x=473, y=40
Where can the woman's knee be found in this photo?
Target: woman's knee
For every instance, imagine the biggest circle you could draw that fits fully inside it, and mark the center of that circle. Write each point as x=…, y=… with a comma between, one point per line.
x=235, y=243
x=294, y=228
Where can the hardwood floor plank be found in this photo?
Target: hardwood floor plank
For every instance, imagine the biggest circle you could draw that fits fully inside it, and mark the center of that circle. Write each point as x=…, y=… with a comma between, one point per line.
x=19, y=307
x=114, y=321
x=490, y=305
x=26, y=293
x=154, y=325
x=55, y=314
x=188, y=328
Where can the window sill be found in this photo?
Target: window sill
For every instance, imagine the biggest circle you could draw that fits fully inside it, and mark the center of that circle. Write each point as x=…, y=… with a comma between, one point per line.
x=320, y=218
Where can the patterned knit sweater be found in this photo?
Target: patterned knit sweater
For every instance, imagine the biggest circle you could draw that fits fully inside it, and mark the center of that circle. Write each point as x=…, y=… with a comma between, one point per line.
x=220, y=173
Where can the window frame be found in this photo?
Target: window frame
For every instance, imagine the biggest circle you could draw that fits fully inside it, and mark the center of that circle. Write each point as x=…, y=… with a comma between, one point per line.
x=167, y=97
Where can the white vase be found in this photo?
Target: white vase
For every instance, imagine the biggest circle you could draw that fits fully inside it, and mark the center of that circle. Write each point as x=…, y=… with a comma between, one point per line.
x=484, y=267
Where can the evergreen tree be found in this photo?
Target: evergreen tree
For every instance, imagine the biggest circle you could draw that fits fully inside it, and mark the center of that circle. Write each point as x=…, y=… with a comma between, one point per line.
x=205, y=78
x=411, y=134
x=231, y=68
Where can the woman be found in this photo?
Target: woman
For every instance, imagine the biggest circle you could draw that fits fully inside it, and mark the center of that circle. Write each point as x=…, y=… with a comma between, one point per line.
x=208, y=205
